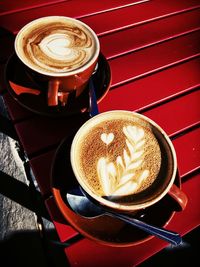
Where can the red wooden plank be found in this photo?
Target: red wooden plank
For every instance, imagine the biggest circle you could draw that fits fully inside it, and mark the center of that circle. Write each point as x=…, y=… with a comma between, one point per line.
x=135, y=15
x=151, y=90
x=10, y=6
x=41, y=167
x=177, y=115
x=155, y=58
x=7, y=45
x=134, y=38
x=47, y=136
x=2, y=84
x=16, y=111
x=131, y=96
x=79, y=254
x=75, y=8
x=40, y=132
x=188, y=151
x=65, y=232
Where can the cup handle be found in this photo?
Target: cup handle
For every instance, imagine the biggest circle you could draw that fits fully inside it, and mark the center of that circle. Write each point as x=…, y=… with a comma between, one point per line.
x=53, y=88
x=179, y=196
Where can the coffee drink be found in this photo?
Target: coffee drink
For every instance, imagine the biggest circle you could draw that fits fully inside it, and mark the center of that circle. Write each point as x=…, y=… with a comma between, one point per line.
x=56, y=45
x=118, y=156
x=125, y=161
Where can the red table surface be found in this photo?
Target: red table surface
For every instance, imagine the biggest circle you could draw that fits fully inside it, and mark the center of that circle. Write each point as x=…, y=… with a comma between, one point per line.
x=154, y=54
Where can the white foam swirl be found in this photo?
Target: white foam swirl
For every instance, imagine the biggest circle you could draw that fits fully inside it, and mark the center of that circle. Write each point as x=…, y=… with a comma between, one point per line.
x=125, y=175
x=57, y=46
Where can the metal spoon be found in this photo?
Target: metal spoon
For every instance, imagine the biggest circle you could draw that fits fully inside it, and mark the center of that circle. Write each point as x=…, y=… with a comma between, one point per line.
x=93, y=107
x=86, y=208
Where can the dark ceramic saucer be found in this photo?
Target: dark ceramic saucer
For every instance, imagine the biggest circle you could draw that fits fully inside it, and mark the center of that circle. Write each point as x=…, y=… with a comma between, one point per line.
x=103, y=229
x=34, y=96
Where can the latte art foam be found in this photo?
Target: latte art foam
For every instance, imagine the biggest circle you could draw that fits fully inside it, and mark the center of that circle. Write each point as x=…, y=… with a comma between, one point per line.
x=119, y=157
x=57, y=45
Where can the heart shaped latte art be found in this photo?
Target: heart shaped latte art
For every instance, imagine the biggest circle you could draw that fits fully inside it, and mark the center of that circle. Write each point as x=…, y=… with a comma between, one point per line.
x=107, y=138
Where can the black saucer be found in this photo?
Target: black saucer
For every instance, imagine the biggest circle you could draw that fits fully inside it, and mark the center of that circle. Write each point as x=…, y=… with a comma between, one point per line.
x=15, y=72
x=104, y=229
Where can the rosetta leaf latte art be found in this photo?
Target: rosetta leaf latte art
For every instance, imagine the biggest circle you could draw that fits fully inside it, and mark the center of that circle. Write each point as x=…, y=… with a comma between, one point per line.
x=125, y=175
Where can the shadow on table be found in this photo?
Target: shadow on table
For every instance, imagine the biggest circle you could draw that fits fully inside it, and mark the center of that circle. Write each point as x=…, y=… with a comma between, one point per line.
x=27, y=248
x=186, y=254
x=23, y=194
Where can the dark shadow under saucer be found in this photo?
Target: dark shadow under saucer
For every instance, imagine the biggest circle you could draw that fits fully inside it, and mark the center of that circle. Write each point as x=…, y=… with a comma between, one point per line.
x=17, y=79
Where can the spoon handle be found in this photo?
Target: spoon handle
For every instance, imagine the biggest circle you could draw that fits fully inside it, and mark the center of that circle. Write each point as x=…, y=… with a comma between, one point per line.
x=164, y=234
x=93, y=107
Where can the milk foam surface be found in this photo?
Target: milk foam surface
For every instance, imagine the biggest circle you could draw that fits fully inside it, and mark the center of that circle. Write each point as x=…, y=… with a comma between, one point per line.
x=119, y=157
x=56, y=45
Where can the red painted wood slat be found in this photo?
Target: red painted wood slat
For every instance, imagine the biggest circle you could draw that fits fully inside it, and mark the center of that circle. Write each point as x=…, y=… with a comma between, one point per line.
x=48, y=136
x=41, y=167
x=139, y=14
x=16, y=111
x=75, y=8
x=46, y=131
x=8, y=7
x=132, y=99
x=134, y=38
x=188, y=152
x=151, y=59
x=108, y=256
x=150, y=90
x=65, y=231
x=177, y=115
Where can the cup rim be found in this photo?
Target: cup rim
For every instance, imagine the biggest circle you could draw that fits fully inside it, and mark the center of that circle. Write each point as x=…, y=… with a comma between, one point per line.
x=65, y=74
x=103, y=201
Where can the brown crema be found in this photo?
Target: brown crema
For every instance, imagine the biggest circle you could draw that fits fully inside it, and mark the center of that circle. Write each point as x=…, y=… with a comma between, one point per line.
x=57, y=47
x=130, y=152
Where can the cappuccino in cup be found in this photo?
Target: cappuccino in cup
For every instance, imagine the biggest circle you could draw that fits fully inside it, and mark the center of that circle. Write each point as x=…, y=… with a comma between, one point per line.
x=123, y=160
x=62, y=50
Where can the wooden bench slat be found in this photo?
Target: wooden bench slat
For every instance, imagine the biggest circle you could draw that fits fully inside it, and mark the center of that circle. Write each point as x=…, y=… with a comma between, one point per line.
x=130, y=96
x=146, y=61
x=134, y=38
x=151, y=90
x=177, y=115
x=48, y=136
x=138, y=14
x=65, y=231
x=188, y=152
x=42, y=132
x=75, y=8
x=8, y=7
